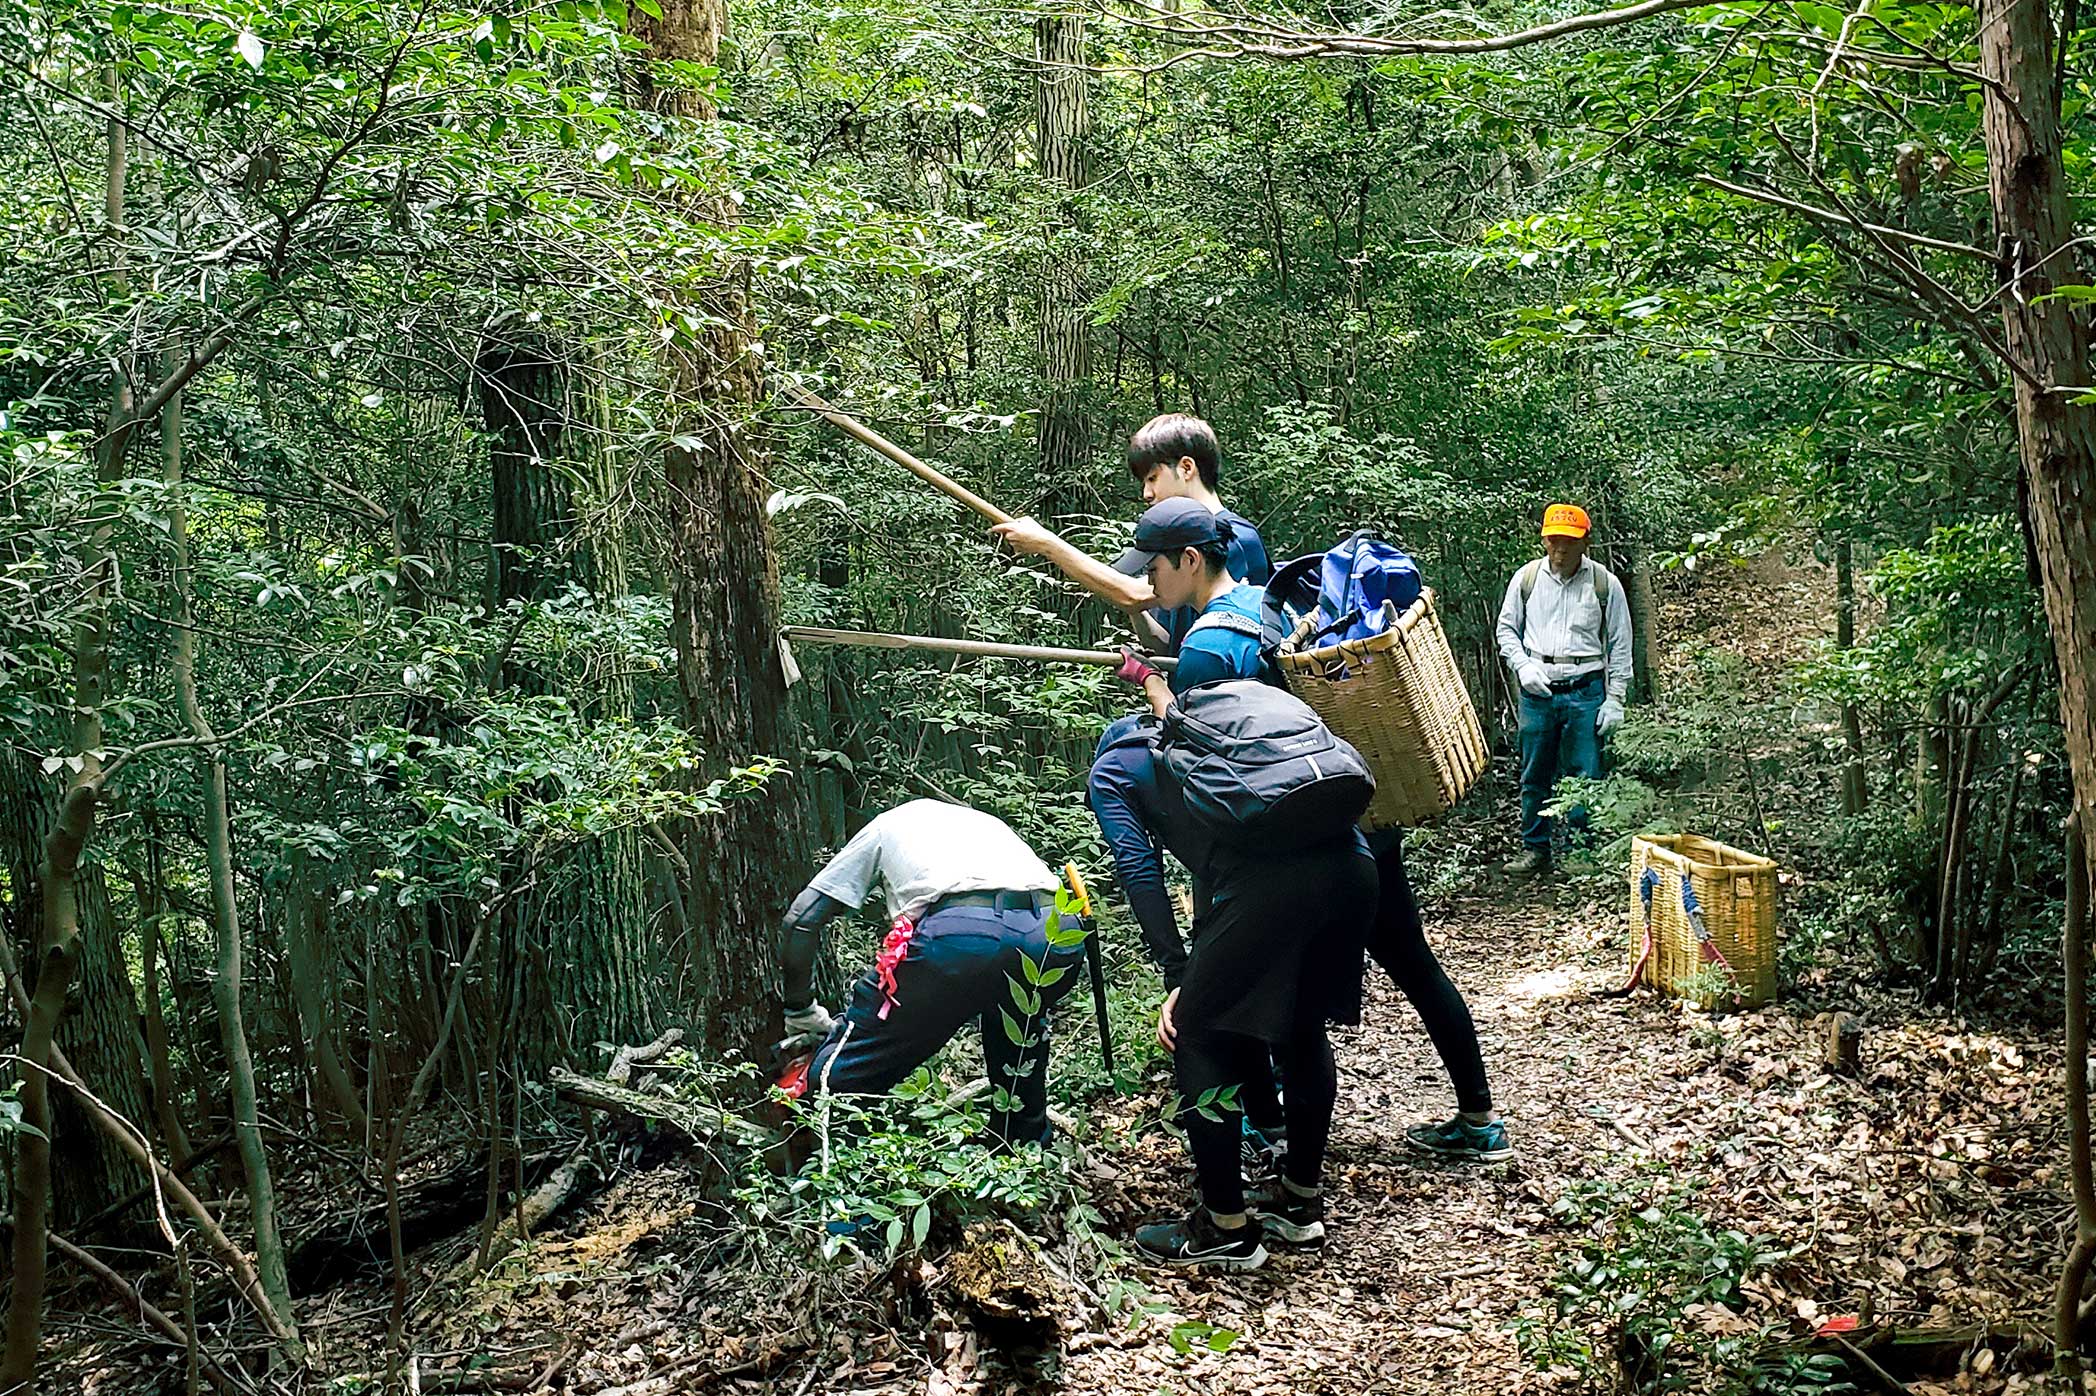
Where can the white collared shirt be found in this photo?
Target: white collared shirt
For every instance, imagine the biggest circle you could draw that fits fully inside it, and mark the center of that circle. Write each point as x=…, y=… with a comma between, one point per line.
x=1562, y=618
x=928, y=849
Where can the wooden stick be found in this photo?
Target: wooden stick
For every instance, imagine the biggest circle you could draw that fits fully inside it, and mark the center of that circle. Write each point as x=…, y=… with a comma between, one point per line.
x=874, y=639
x=153, y=1318
x=797, y=396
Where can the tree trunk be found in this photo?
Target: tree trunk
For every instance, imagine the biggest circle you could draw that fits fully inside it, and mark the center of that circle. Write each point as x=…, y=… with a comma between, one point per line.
x=160, y=1057
x=2047, y=339
x=1636, y=575
x=32, y=1184
x=312, y=985
x=603, y=970
x=1855, y=785
x=747, y=861
x=1061, y=129
x=225, y=911
x=100, y=1027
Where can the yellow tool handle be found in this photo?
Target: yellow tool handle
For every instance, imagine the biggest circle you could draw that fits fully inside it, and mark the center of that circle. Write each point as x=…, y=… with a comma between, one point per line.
x=1077, y=889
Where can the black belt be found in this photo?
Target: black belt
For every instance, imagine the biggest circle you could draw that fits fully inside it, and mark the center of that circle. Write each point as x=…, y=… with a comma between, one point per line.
x=1568, y=658
x=995, y=901
x=1577, y=681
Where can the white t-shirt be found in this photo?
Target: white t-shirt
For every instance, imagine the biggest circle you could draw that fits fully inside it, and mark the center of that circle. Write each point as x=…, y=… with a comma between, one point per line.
x=928, y=849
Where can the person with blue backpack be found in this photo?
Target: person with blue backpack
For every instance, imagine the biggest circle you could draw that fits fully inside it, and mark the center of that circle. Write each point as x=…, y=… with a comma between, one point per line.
x=1174, y=456
x=1244, y=785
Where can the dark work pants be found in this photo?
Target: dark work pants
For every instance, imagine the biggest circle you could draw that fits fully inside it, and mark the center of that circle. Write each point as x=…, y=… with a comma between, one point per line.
x=1398, y=944
x=1222, y=1059
x=1321, y=902
x=1558, y=736
x=960, y=967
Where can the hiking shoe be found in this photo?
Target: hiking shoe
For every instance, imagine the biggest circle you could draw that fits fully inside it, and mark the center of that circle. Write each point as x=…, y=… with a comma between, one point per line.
x=1455, y=1138
x=1529, y=861
x=1289, y=1216
x=1261, y=1155
x=1196, y=1240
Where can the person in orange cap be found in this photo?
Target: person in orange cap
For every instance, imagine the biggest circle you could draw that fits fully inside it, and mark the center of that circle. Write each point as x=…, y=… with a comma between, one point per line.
x=1564, y=632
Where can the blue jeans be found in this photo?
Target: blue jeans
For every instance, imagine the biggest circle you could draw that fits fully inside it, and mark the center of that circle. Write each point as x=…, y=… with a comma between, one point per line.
x=1557, y=737
x=960, y=965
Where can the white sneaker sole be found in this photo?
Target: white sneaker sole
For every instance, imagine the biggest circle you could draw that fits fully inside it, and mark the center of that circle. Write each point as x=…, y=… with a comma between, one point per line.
x=1207, y=1262
x=1296, y=1234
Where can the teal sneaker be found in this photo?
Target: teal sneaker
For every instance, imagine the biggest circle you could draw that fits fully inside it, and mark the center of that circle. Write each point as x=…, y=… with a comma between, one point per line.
x=1454, y=1138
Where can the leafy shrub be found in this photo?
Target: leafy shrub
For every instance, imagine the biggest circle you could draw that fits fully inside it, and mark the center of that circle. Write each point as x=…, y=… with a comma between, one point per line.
x=1632, y=1310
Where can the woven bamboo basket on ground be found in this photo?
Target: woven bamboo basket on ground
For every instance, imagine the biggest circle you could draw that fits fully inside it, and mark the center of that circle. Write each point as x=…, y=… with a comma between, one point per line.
x=1399, y=698
x=1736, y=892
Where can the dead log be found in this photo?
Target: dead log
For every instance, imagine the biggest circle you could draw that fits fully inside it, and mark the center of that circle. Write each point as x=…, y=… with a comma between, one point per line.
x=695, y=1121
x=354, y=1243
x=553, y=1195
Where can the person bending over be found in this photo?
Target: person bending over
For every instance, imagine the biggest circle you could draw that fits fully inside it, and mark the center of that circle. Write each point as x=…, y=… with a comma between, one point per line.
x=1276, y=956
x=967, y=900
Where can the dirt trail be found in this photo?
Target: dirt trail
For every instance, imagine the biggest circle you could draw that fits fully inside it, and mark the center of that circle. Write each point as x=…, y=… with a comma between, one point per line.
x=1429, y=1264
x=1427, y=1261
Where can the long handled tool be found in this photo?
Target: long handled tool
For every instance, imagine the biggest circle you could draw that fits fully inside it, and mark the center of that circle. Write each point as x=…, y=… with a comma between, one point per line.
x=873, y=639
x=1091, y=952
x=797, y=396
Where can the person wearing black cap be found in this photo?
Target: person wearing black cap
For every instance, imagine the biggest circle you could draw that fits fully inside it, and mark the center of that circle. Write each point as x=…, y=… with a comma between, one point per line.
x=1182, y=551
x=1173, y=456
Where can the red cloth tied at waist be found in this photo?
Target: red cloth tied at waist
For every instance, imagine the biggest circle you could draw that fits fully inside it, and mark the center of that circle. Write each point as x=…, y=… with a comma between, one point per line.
x=893, y=949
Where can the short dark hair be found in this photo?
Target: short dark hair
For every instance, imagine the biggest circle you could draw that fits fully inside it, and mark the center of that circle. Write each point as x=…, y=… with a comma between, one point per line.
x=1163, y=440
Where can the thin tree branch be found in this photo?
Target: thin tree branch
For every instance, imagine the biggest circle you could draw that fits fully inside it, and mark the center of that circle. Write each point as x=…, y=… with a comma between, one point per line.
x=1844, y=220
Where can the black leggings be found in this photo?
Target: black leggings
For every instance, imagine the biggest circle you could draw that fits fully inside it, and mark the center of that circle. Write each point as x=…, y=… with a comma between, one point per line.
x=1216, y=1060
x=1398, y=944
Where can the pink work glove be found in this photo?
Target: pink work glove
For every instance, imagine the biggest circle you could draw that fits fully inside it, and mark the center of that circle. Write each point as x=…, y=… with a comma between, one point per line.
x=1135, y=667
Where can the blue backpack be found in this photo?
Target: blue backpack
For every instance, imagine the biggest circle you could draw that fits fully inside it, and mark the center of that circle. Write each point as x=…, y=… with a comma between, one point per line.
x=1347, y=586
x=1360, y=578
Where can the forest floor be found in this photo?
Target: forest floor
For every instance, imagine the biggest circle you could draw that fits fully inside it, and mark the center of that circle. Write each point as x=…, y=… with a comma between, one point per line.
x=1925, y=1193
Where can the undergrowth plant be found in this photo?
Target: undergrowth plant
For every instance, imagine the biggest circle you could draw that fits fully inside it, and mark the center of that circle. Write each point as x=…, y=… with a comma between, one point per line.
x=1653, y=1299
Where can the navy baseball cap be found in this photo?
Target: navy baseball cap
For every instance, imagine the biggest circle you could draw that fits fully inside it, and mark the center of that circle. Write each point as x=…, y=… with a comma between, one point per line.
x=1166, y=527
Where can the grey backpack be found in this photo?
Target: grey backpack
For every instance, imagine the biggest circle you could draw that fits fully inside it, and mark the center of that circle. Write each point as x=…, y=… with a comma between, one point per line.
x=1256, y=767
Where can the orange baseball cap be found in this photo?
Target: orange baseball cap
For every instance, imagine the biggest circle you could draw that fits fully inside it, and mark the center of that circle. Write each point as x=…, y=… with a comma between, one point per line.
x=1565, y=521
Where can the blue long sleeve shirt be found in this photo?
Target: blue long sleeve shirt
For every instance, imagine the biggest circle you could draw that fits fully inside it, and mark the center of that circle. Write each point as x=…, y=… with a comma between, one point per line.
x=1141, y=815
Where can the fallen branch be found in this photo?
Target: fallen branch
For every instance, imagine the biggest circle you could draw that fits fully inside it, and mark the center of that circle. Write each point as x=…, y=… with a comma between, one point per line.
x=626, y=1058
x=549, y=1198
x=689, y=1118
x=131, y=1299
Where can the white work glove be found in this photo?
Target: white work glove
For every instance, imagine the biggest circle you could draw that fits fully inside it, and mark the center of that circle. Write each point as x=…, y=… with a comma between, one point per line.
x=812, y=1021
x=1534, y=682
x=1610, y=717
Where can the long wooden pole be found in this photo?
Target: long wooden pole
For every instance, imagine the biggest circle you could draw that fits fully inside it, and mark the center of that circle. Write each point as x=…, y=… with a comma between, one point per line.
x=990, y=649
x=797, y=396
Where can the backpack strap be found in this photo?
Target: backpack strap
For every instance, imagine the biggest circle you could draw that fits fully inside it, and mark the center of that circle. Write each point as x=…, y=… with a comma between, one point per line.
x=1603, y=582
x=1226, y=620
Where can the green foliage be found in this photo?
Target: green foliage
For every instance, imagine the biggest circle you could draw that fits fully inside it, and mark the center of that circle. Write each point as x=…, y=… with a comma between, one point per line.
x=894, y=1168
x=1631, y=1306
x=11, y=1121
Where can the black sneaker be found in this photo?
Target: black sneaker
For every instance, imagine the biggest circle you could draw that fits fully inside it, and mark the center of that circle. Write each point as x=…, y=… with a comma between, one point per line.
x=1289, y=1216
x=1455, y=1138
x=1197, y=1241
